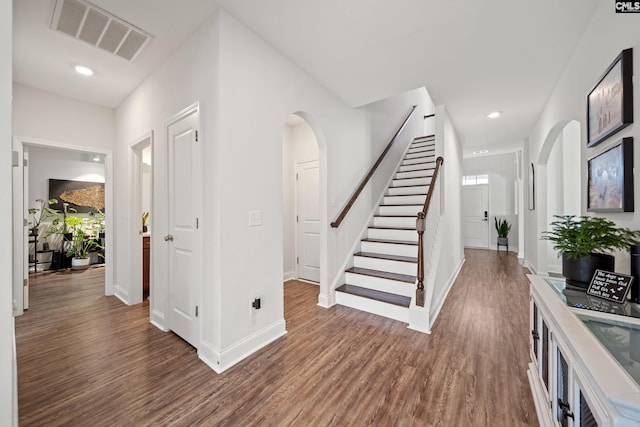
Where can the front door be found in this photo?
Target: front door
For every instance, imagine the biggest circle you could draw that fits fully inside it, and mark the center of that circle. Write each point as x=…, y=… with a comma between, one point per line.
x=184, y=235
x=475, y=216
x=308, y=217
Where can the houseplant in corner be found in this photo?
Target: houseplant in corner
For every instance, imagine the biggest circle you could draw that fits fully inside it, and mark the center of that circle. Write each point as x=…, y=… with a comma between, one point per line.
x=584, y=242
x=502, y=228
x=81, y=244
x=41, y=213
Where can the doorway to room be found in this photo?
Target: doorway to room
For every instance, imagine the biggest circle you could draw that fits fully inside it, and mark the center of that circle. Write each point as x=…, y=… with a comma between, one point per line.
x=55, y=185
x=301, y=198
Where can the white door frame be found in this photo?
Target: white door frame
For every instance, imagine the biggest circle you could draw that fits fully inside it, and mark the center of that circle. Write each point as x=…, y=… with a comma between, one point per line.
x=18, y=214
x=135, y=223
x=488, y=188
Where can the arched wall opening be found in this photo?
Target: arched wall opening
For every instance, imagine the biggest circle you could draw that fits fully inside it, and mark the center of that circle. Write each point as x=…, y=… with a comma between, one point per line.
x=304, y=202
x=558, y=177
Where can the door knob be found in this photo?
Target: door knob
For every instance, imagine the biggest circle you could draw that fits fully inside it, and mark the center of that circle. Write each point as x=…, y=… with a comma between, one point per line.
x=168, y=238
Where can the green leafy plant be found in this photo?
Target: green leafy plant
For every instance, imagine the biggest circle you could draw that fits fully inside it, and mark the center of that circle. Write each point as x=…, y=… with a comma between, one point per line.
x=145, y=218
x=502, y=227
x=81, y=243
x=581, y=236
x=97, y=222
x=59, y=224
x=42, y=212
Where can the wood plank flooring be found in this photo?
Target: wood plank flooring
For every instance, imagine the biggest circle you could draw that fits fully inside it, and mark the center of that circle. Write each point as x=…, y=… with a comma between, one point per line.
x=88, y=360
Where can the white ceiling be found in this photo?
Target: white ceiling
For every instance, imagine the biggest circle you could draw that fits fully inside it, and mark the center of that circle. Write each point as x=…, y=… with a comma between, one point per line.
x=473, y=56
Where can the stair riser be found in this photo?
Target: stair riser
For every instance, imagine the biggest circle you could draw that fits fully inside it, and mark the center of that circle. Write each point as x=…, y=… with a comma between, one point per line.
x=389, y=249
x=418, y=167
x=382, y=221
x=387, y=265
x=405, y=191
x=371, y=306
x=405, y=200
x=425, y=143
x=414, y=174
x=380, y=284
x=399, y=210
x=422, y=152
x=424, y=159
x=404, y=235
x=411, y=181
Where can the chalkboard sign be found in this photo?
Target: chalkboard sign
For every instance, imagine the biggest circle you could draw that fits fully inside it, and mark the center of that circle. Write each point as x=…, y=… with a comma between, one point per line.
x=610, y=286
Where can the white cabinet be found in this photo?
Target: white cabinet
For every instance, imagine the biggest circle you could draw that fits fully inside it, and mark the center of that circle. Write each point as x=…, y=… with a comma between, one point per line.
x=581, y=371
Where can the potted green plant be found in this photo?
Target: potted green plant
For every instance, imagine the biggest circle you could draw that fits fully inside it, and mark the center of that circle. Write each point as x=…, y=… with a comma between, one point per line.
x=81, y=243
x=584, y=243
x=145, y=218
x=41, y=213
x=502, y=228
x=60, y=228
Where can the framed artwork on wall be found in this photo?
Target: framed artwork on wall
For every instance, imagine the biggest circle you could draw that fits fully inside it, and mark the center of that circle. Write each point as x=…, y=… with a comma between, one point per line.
x=610, y=102
x=610, y=183
x=83, y=196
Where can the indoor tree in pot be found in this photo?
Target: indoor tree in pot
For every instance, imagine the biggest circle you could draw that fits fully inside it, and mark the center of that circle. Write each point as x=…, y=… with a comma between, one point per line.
x=81, y=244
x=583, y=243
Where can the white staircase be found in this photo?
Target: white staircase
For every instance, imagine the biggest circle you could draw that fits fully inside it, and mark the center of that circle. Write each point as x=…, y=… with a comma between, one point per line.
x=383, y=277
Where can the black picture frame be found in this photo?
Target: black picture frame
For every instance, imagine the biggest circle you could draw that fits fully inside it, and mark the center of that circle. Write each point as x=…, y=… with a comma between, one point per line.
x=83, y=196
x=610, y=179
x=610, y=102
x=532, y=187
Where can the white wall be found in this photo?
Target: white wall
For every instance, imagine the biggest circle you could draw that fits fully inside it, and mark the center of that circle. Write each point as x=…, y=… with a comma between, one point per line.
x=606, y=36
x=451, y=256
x=8, y=393
x=502, y=181
x=43, y=116
x=299, y=145
x=50, y=163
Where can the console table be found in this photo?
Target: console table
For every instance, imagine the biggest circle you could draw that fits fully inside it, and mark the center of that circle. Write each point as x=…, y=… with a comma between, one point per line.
x=585, y=357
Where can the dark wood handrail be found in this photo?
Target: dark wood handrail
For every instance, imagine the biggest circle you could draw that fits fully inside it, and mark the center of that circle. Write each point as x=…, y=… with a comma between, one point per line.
x=420, y=229
x=429, y=116
x=368, y=176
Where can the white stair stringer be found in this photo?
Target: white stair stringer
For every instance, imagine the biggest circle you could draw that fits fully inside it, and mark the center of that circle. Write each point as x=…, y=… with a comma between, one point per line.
x=382, y=280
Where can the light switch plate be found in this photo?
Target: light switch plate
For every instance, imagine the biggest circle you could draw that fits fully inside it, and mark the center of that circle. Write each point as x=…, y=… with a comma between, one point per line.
x=255, y=218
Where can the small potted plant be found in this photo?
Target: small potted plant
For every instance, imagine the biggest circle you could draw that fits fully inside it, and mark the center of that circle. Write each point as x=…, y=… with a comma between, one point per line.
x=585, y=242
x=145, y=218
x=81, y=243
x=502, y=228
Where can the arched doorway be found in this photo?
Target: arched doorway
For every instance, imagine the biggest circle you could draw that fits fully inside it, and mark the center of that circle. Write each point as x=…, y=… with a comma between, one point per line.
x=301, y=201
x=559, y=181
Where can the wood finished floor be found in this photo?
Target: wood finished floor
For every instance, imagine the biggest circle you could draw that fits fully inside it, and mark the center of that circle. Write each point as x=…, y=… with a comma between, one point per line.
x=88, y=360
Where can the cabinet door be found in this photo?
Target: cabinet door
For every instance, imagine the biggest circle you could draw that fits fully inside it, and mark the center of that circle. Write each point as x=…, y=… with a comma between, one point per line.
x=563, y=404
x=544, y=359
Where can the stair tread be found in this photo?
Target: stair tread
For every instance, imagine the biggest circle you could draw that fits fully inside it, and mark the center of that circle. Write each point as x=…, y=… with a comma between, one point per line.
x=392, y=242
x=385, y=297
x=410, y=259
x=408, y=186
x=391, y=228
x=396, y=216
x=415, y=177
x=382, y=274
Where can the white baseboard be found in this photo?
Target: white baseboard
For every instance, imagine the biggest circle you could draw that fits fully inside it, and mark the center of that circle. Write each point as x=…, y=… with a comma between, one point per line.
x=220, y=361
x=327, y=301
x=289, y=275
x=121, y=294
x=156, y=318
x=448, y=287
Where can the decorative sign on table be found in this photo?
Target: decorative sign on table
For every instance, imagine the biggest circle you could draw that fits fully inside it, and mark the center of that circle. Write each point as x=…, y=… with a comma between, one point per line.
x=610, y=286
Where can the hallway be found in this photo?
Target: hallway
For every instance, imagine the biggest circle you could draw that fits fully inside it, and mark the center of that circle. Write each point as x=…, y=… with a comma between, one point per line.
x=86, y=359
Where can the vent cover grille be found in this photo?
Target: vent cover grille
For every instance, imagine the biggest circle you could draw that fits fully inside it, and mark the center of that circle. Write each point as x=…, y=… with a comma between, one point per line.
x=84, y=21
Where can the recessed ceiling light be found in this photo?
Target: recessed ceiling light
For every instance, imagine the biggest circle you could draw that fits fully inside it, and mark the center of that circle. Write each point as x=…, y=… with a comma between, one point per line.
x=96, y=158
x=481, y=152
x=494, y=115
x=85, y=71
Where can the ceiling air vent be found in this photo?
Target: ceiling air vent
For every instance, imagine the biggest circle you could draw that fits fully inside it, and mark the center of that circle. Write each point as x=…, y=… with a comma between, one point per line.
x=84, y=21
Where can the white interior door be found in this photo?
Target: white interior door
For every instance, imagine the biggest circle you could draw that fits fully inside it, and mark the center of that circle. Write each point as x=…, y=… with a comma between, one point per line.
x=308, y=217
x=184, y=235
x=25, y=231
x=475, y=216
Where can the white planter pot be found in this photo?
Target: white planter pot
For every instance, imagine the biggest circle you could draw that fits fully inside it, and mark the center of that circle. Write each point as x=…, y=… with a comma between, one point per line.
x=79, y=263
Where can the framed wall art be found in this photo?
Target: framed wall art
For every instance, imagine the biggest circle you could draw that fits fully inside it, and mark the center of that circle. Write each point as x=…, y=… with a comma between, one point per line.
x=610, y=102
x=532, y=187
x=610, y=183
x=83, y=196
